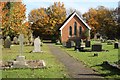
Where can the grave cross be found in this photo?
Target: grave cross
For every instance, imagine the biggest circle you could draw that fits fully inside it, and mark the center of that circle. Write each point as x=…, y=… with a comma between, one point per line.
x=21, y=39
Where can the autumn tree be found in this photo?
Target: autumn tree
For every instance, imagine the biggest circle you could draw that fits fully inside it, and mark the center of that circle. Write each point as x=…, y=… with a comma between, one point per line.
x=39, y=21
x=57, y=14
x=13, y=18
x=47, y=21
x=101, y=20
x=91, y=19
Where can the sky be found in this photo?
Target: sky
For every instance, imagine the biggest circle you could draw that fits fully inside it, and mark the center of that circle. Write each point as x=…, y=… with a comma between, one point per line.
x=80, y=5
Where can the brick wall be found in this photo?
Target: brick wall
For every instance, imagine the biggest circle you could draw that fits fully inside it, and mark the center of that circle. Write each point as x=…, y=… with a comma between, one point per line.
x=65, y=30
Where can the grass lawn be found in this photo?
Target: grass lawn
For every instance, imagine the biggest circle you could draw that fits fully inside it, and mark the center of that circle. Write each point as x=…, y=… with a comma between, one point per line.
x=54, y=68
x=96, y=62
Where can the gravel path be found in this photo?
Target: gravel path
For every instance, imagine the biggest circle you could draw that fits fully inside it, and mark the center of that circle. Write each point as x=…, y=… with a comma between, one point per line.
x=75, y=68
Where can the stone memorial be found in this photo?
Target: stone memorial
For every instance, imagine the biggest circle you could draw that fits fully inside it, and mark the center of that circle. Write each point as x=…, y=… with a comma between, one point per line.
x=77, y=44
x=87, y=44
x=110, y=42
x=97, y=47
x=20, y=61
x=64, y=44
x=68, y=44
x=37, y=43
x=116, y=45
x=72, y=44
x=7, y=42
x=58, y=42
x=82, y=46
x=97, y=36
x=15, y=40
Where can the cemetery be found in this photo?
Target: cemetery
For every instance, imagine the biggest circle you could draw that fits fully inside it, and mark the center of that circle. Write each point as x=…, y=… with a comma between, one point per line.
x=105, y=62
x=36, y=67
x=58, y=43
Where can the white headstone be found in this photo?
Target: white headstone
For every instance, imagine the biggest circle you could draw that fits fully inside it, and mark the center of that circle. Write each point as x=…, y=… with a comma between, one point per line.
x=15, y=40
x=37, y=43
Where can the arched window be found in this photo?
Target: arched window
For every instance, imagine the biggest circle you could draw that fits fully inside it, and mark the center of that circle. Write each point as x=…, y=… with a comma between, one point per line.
x=80, y=31
x=75, y=28
x=70, y=31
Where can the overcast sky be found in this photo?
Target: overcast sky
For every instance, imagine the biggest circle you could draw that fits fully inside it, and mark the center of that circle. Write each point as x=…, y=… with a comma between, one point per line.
x=81, y=5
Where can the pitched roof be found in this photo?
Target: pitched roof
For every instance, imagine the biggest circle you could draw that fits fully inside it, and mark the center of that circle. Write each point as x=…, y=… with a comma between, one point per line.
x=70, y=17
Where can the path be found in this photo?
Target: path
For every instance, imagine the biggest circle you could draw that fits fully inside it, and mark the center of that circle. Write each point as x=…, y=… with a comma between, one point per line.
x=75, y=68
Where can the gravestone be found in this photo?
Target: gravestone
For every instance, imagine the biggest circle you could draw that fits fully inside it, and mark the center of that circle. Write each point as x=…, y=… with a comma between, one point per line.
x=97, y=47
x=87, y=44
x=20, y=60
x=15, y=40
x=64, y=44
x=72, y=44
x=77, y=44
x=7, y=42
x=58, y=42
x=116, y=45
x=68, y=44
x=37, y=43
x=97, y=36
x=110, y=42
x=82, y=46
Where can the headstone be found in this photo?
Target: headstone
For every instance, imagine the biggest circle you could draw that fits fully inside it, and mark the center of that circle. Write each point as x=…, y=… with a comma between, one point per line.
x=37, y=43
x=64, y=44
x=72, y=44
x=77, y=44
x=87, y=44
x=97, y=36
x=58, y=42
x=7, y=42
x=82, y=46
x=110, y=42
x=103, y=40
x=68, y=44
x=116, y=45
x=15, y=40
x=20, y=60
x=97, y=47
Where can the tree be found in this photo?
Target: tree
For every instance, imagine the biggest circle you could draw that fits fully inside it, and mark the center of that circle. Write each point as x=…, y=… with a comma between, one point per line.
x=71, y=10
x=13, y=18
x=91, y=19
x=40, y=19
x=47, y=21
x=102, y=20
x=57, y=14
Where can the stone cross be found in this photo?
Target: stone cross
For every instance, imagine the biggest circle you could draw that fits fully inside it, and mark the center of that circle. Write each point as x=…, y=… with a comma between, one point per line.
x=21, y=40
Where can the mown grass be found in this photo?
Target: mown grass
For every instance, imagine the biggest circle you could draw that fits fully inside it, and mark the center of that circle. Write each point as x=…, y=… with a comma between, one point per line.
x=54, y=68
x=96, y=62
